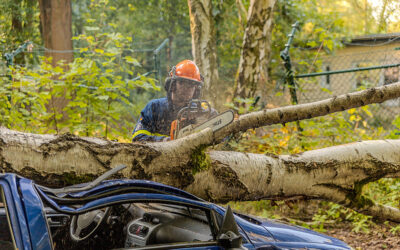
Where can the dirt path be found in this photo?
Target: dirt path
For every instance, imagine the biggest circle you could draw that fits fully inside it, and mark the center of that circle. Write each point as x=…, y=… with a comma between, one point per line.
x=379, y=237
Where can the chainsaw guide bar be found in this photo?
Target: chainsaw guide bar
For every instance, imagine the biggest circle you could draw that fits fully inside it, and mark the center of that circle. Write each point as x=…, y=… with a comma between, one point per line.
x=214, y=123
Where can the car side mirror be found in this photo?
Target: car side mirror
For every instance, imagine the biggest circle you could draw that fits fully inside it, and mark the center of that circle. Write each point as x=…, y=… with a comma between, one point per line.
x=228, y=235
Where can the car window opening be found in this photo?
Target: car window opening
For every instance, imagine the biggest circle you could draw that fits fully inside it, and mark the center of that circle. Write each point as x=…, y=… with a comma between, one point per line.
x=133, y=225
x=7, y=240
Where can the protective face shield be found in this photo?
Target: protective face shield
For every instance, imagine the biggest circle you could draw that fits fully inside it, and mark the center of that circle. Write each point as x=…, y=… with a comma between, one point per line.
x=182, y=93
x=184, y=83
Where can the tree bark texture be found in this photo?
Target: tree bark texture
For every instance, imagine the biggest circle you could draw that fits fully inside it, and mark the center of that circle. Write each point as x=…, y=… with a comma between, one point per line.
x=204, y=46
x=254, y=59
x=56, y=23
x=334, y=174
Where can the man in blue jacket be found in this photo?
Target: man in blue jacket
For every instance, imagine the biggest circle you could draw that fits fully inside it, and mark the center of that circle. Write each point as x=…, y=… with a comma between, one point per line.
x=183, y=84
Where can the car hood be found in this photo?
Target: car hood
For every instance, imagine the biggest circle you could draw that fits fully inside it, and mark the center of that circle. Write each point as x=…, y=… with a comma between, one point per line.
x=283, y=232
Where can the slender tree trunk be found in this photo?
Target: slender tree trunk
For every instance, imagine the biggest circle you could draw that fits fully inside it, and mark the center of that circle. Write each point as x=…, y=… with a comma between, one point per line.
x=16, y=17
x=169, y=53
x=204, y=47
x=242, y=14
x=55, y=19
x=56, y=23
x=30, y=18
x=253, y=65
x=309, y=110
x=382, y=22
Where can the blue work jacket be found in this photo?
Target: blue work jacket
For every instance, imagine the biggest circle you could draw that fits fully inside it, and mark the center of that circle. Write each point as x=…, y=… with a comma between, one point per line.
x=155, y=121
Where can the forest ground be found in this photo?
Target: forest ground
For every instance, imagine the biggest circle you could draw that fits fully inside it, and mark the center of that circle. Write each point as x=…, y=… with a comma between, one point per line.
x=359, y=234
x=379, y=236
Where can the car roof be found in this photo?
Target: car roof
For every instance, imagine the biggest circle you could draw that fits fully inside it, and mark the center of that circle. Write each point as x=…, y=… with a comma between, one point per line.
x=111, y=187
x=95, y=194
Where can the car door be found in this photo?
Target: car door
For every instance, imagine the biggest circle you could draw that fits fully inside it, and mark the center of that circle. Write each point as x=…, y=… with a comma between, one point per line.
x=23, y=211
x=9, y=224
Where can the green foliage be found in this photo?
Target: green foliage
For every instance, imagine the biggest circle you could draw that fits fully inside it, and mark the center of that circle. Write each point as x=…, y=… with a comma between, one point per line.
x=243, y=105
x=19, y=21
x=98, y=100
x=322, y=30
x=22, y=106
x=263, y=208
x=146, y=22
x=385, y=191
x=395, y=133
x=332, y=212
x=229, y=36
x=333, y=129
x=395, y=229
x=97, y=87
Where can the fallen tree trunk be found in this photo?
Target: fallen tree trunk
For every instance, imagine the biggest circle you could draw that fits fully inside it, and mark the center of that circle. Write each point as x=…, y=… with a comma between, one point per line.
x=334, y=174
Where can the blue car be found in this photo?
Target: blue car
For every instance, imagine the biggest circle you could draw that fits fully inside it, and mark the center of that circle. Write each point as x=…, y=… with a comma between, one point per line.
x=135, y=214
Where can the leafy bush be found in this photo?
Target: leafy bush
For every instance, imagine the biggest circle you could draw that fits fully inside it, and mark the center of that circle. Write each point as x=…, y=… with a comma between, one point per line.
x=92, y=96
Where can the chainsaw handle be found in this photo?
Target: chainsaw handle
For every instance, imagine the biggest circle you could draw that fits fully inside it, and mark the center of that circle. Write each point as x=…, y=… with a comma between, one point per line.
x=174, y=129
x=195, y=108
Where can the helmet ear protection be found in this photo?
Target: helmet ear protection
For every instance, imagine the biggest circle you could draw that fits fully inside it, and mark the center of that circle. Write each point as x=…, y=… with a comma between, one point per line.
x=167, y=84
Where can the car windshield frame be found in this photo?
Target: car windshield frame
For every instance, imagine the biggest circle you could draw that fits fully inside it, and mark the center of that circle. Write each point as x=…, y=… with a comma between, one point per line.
x=7, y=214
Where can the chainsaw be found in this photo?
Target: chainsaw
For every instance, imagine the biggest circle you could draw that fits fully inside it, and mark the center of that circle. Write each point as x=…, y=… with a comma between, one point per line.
x=196, y=117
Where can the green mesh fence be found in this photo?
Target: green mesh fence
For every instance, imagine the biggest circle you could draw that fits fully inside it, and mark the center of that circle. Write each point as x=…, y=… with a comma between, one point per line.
x=346, y=72
x=155, y=57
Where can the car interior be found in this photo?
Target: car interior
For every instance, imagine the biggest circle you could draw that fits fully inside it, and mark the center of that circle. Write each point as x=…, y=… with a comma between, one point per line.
x=133, y=226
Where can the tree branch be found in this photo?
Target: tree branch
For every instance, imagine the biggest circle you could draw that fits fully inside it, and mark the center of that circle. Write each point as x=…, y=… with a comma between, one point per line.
x=310, y=110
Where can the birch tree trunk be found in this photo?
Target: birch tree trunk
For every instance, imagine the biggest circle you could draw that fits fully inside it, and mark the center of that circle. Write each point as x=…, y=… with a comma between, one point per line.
x=204, y=46
x=336, y=174
x=256, y=50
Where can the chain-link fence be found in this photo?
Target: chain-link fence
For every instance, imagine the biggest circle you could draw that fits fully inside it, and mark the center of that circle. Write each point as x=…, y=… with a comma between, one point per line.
x=156, y=57
x=349, y=70
x=346, y=72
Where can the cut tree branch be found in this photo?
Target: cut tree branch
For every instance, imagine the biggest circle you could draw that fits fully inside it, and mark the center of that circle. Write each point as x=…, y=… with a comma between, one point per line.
x=310, y=110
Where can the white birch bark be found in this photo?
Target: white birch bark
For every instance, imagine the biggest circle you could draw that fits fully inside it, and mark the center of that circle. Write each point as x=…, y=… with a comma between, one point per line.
x=204, y=46
x=334, y=174
x=256, y=50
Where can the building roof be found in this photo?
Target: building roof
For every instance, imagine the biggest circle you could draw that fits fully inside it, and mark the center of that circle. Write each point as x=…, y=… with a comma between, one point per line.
x=375, y=39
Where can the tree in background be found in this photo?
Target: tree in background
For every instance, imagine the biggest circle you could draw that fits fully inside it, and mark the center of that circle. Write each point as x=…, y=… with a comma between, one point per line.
x=256, y=50
x=204, y=44
x=19, y=23
x=56, y=29
x=387, y=15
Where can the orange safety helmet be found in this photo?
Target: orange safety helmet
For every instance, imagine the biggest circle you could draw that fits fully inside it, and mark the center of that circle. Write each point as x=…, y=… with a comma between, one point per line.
x=186, y=71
